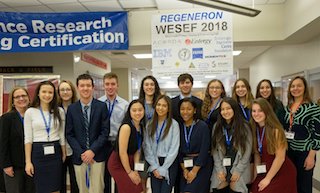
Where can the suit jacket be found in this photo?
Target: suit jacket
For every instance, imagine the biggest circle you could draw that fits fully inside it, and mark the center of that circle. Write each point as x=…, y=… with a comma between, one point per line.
x=176, y=111
x=11, y=141
x=99, y=129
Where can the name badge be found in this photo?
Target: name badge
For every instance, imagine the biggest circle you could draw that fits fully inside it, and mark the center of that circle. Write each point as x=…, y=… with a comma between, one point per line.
x=48, y=149
x=261, y=169
x=289, y=134
x=139, y=166
x=188, y=162
x=226, y=161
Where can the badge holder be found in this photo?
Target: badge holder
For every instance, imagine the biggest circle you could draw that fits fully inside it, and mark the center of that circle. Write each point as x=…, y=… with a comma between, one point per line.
x=226, y=161
x=289, y=134
x=48, y=149
x=261, y=168
x=139, y=166
x=188, y=162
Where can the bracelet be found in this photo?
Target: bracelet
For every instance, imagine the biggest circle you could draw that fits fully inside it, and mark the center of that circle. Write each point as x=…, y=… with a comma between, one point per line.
x=129, y=172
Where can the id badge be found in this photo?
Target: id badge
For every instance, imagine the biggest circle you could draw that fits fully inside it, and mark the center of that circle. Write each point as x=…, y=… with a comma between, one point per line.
x=139, y=166
x=261, y=169
x=188, y=162
x=289, y=134
x=226, y=161
x=48, y=149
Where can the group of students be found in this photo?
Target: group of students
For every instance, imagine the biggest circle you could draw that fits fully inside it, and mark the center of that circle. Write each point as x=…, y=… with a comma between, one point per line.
x=218, y=144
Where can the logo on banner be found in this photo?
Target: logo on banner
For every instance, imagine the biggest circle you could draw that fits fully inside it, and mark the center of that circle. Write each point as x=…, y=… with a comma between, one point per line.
x=197, y=53
x=162, y=53
x=201, y=41
x=184, y=54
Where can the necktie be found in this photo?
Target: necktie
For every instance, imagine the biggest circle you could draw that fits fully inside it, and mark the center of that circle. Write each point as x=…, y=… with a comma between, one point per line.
x=86, y=125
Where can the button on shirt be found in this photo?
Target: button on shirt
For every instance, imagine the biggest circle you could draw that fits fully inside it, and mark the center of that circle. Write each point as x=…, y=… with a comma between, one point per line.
x=118, y=113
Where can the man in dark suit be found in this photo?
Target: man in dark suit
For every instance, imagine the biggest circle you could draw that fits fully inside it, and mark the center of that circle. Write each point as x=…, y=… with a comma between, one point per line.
x=87, y=127
x=185, y=83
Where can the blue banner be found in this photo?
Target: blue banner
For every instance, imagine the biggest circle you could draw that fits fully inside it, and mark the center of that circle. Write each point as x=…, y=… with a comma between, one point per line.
x=57, y=32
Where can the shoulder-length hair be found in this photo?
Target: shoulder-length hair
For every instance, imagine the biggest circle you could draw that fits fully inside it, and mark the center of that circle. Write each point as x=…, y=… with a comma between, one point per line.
x=249, y=96
x=74, y=97
x=142, y=94
x=127, y=118
x=154, y=121
x=238, y=123
x=53, y=105
x=274, y=132
x=272, y=98
x=205, y=109
x=11, y=99
x=194, y=105
x=306, y=94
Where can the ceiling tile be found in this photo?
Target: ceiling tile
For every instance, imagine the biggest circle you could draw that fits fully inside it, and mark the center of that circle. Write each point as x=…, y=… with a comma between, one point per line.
x=67, y=7
x=7, y=9
x=37, y=9
x=137, y=3
x=173, y=4
x=102, y=6
x=97, y=0
x=276, y=1
x=2, y=5
x=57, y=1
x=13, y=3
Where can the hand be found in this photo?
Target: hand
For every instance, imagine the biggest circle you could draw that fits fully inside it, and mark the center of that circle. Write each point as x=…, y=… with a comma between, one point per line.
x=235, y=177
x=87, y=156
x=309, y=163
x=64, y=157
x=29, y=169
x=135, y=177
x=263, y=184
x=185, y=173
x=191, y=176
x=157, y=174
x=222, y=176
x=9, y=171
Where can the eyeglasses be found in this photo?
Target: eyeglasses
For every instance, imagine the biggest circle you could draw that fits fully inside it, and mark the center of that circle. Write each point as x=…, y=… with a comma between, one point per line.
x=65, y=90
x=214, y=87
x=20, y=96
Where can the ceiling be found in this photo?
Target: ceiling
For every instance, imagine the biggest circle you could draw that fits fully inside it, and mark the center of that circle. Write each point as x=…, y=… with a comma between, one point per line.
x=124, y=59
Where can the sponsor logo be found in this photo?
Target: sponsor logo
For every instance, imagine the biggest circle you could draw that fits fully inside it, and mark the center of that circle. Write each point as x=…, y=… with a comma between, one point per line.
x=184, y=54
x=197, y=53
x=161, y=53
x=189, y=41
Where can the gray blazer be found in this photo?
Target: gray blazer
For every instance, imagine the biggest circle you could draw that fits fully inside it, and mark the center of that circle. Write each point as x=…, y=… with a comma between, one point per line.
x=240, y=165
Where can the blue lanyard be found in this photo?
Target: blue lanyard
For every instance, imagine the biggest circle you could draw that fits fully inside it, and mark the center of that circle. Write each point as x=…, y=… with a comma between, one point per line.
x=228, y=139
x=247, y=117
x=211, y=111
x=158, y=135
x=187, y=137
x=45, y=122
x=138, y=135
x=21, y=118
x=110, y=107
x=260, y=139
x=149, y=114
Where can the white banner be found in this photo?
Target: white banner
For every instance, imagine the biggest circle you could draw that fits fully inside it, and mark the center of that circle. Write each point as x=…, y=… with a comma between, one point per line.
x=200, y=43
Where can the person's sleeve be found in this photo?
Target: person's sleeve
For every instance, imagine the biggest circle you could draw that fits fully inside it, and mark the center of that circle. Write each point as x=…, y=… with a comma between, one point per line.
x=205, y=145
x=314, y=127
x=148, y=153
x=28, y=135
x=5, y=160
x=62, y=133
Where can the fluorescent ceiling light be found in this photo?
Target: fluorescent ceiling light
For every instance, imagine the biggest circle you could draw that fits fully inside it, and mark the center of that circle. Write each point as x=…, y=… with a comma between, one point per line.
x=236, y=52
x=210, y=76
x=142, y=56
x=166, y=77
x=222, y=5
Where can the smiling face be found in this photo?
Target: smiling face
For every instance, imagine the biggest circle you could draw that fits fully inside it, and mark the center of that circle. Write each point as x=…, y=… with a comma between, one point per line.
x=227, y=112
x=162, y=108
x=241, y=89
x=265, y=90
x=136, y=112
x=111, y=87
x=215, y=90
x=20, y=99
x=149, y=87
x=297, y=88
x=65, y=91
x=185, y=87
x=85, y=88
x=46, y=94
x=187, y=112
x=258, y=115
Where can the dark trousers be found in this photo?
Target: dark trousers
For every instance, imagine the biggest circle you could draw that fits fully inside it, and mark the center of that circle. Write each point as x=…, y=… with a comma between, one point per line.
x=304, y=177
x=20, y=183
x=68, y=165
x=2, y=186
x=107, y=175
x=160, y=186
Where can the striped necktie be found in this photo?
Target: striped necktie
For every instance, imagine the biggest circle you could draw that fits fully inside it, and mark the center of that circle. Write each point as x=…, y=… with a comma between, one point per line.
x=86, y=125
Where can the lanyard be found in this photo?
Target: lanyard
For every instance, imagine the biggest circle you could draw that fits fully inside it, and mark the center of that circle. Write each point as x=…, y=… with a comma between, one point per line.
x=260, y=139
x=246, y=116
x=21, y=118
x=292, y=116
x=187, y=137
x=228, y=139
x=158, y=135
x=211, y=111
x=110, y=107
x=47, y=124
x=149, y=114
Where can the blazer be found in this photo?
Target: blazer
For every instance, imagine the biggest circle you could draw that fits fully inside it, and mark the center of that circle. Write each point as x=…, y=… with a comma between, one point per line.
x=176, y=111
x=11, y=141
x=99, y=129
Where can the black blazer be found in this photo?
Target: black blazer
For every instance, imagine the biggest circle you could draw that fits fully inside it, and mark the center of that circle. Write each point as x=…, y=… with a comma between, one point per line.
x=99, y=129
x=11, y=141
x=176, y=111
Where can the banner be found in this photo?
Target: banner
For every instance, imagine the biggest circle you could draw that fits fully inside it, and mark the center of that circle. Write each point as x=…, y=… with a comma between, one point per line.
x=198, y=42
x=56, y=32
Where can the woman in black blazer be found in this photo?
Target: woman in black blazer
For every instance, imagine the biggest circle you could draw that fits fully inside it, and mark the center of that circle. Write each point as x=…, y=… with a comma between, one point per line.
x=12, y=158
